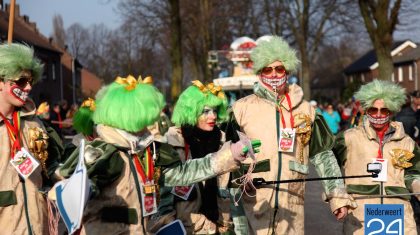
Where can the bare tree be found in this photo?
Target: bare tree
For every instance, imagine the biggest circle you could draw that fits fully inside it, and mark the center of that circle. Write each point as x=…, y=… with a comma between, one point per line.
x=59, y=35
x=380, y=20
x=77, y=39
x=309, y=23
x=176, y=49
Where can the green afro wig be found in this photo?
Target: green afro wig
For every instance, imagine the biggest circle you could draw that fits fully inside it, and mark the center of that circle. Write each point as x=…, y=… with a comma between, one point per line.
x=191, y=103
x=16, y=58
x=392, y=94
x=83, y=118
x=127, y=107
x=275, y=49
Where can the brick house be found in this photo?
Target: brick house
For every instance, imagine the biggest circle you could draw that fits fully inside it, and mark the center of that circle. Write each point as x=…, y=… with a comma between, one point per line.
x=64, y=77
x=406, y=58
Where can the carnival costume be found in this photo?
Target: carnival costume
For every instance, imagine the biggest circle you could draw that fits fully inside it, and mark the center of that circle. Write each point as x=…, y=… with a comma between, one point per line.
x=203, y=207
x=264, y=115
x=357, y=147
x=23, y=207
x=125, y=164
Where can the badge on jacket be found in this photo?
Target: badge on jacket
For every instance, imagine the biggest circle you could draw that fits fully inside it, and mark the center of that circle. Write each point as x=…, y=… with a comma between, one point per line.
x=24, y=163
x=287, y=140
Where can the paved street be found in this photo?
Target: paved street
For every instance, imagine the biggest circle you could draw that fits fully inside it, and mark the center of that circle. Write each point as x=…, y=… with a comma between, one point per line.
x=318, y=216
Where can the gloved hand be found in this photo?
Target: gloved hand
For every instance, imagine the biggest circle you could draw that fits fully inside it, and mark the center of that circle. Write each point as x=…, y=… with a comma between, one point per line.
x=241, y=149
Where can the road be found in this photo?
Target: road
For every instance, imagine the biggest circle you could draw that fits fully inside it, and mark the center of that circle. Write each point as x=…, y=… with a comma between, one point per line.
x=318, y=216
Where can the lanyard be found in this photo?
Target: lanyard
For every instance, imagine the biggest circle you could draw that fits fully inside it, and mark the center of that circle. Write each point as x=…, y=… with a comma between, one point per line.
x=13, y=132
x=381, y=139
x=283, y=122
x=148, y=165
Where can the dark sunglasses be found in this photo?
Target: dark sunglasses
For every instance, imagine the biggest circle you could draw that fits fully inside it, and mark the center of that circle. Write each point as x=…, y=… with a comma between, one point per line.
x=372, y=111
x=23, y=81
x=268, y=70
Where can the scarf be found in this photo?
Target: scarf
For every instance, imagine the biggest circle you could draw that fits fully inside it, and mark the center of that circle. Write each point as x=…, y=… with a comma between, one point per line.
x=202, y=143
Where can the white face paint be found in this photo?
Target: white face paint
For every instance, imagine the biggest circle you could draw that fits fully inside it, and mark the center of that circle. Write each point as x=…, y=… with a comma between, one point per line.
x=378, y=115
x=274, y=82
x=274, y=77
x=378, y=120
x=19, y=93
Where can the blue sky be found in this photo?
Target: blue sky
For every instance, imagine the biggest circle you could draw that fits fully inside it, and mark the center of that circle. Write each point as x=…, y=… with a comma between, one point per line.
x=85, y=12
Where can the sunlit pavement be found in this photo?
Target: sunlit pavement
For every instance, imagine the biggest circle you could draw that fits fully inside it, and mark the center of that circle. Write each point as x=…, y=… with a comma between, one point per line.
x=318, y=216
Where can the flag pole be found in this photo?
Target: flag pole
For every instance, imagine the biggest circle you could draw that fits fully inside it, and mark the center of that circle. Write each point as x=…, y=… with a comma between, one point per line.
x=11, y=21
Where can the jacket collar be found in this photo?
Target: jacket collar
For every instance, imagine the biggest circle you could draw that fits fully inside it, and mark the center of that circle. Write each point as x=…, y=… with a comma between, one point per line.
x=394, y=132
x=295, y=93
x=124, y=139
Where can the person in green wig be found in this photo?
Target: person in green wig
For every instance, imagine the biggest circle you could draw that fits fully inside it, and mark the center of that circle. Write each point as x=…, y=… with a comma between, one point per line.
x=203, y=207
x=292, y=134
x=126, y=166
x=380, y=140
x=24, y=142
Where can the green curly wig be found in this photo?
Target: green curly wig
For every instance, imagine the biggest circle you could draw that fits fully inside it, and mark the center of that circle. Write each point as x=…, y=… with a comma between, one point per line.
x=191, y=103
x=275, y=49
x=82, y=121
x=129, y=110
x=15, y=58
x=392, y=94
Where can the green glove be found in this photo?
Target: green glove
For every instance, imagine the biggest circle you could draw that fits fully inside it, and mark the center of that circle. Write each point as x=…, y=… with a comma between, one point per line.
x=256, y=144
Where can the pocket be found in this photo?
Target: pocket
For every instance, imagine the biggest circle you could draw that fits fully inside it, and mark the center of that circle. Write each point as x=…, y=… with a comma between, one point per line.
x=7, y=198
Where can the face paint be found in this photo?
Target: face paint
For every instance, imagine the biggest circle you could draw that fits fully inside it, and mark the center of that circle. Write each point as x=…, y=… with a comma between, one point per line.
x=274, y=82
x=378, y=120
x=207, y=120
x=19, y=93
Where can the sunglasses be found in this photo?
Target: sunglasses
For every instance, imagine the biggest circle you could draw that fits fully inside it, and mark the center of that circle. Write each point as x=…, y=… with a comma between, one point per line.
x=279, y=70
x=23, y=81
x=372, y=111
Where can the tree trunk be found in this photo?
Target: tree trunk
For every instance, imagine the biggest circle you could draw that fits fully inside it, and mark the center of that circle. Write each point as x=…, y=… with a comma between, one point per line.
x=176, y=50
x=380, y=29
x=306, y=76
x=386, y=66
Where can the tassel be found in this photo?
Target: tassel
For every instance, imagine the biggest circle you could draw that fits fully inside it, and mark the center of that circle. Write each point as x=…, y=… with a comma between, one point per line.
x=53, y=217
x=243, y=182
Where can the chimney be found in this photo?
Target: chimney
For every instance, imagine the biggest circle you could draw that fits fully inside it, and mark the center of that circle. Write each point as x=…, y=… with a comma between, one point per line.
x=17, y=9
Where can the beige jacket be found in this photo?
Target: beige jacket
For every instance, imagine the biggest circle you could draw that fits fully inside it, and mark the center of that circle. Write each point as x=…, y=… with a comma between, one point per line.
x=116, y=209
x=256, y=117
x=13, y=219
x=361, y=148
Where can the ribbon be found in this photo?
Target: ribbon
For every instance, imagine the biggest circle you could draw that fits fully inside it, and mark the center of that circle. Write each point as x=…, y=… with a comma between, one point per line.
x=13, y=131
x=89, y=103
x=130, y=82
x=214, y=89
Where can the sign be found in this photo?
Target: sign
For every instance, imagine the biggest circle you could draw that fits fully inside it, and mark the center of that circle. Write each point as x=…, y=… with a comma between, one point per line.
x=384, y=219
x=73, y=193
x=174, y=228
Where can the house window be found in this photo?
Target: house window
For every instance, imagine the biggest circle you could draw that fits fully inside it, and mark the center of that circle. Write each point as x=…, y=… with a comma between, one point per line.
x=362, y=77
x=53, y=71
x=392, y=77
x=400, y=74
x=351, y=79
x=410, y=73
